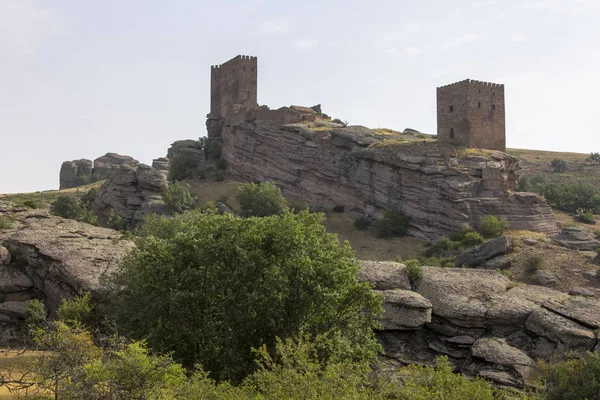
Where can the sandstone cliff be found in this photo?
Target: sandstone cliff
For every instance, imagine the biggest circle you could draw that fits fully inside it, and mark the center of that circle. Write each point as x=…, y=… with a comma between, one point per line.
x=440, y=187
x=81, y=172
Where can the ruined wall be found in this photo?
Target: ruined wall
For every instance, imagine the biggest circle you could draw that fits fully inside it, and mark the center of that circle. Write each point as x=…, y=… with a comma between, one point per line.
x=233, y=86
x=475, y=111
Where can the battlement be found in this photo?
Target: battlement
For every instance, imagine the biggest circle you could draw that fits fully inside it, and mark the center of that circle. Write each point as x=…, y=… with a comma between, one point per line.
x=234, y=86
x=473, y=82
x=234, y=60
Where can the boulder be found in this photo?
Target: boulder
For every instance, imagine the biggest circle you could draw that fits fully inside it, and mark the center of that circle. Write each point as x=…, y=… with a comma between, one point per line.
x=577, y=239
x=186, y=149
x=404, y=310
x=75, y=173
x=462, y=296
x=13, y=309
x=15, y=284
x=501, y=262
x=546, y=278
x=132, y=192
x=105, y=165
x=514, y=307
x=564, y=332
x=581, y=291
x=385, y=275
x=4, y=256
x=483, y=252
x=585, y=310
x=497, y=351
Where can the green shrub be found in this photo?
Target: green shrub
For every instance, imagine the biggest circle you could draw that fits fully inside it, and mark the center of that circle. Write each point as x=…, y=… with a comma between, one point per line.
x=66, y=207
x=260, y=199
x=594, y=158
x=491, y=226
x=413, y=269
x=35, y=312
x=76, y=310
x=575, y=378
x=182, y=167
x=559, y=165
x=442, y=248
x=115, y=221
x=534, y=263
x=597, y=233
x=32, y=204
x=5, y=223
x=524, y=185
x=362, y=223
x=394, y=223
x=338, y=209
x=571, y=197
x=587, y=217
x=472, y=239
x=177, y=197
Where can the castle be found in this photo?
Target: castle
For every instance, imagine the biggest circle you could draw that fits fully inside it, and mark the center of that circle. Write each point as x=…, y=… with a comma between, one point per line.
x=469, y=113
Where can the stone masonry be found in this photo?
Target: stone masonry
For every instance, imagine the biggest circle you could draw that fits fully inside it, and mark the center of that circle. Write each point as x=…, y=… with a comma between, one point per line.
x=471, y=113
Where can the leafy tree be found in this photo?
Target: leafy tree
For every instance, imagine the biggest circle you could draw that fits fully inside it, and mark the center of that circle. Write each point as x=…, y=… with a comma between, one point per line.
x=572, y=379
x=177, y=196
x=182, y=167
x=260, y=199
x=66, y=207
x=394, y=223
x=35, y=312
x=559, y=165
x=210, y=287
x=594, y=158
x=492, y=226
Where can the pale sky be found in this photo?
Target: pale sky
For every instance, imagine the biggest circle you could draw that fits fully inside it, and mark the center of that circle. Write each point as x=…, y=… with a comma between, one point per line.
x=79, y=78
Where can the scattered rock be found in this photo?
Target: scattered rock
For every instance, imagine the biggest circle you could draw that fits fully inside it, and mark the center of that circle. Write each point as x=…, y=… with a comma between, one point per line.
x=4, y=256
x=580, y=291
x=591, y=276
x=224, y=208
x=385, y=275
x=530, y=241
x=483, y=252
x=546, y=278
x=404, y=310
x=501, y=262
x=577, y=239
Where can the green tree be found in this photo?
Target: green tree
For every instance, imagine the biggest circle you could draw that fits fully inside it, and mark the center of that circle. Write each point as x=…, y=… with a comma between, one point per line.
x=394, y=223
x=559, y=165
x=211, y=287
x=575, y=378
x=594, y=158
x=66, y=207
x=492, y=226
x=260, y=199
x=177, y=197
x=182, y=167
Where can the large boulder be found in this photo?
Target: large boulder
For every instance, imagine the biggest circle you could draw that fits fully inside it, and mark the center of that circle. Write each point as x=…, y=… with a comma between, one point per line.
x=577, y=239
x=404, y=310
x=486, y=251
x=105, y=165
x=4, y=256
x=75, y=173
x=187, y=149
x=384, y=275
x=132, y=192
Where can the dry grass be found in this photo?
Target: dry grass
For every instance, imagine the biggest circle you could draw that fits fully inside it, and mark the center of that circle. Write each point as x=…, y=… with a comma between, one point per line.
x=49, y=196
x=15, y=360
x=387, y=131
x=465, y=152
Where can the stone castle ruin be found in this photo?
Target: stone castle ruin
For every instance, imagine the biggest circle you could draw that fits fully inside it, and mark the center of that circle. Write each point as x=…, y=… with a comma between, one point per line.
x=471, y=114
x=438, y=183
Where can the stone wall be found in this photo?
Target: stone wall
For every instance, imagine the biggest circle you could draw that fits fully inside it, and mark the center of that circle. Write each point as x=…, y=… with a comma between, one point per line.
x=234, y=86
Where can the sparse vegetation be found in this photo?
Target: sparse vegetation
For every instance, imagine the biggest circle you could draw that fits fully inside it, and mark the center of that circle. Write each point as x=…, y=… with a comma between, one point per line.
x=260, y=199
x=413, y=269
x=393, y=224
x=5, y=222
x=35, y=313
x=534, y=263
x=587, y=217
x=597, y=233
x=574, y=378
x=66, y=207
x=115, y=221
x=182, y=167
x=177, y=197
x=338, y=209
x=559, y=165
x=594, y=158
x=31, y=204
x=491, y=226
x=362, y=223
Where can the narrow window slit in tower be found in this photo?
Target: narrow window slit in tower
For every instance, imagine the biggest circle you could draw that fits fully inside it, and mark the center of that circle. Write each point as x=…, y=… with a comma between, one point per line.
x=479, y=105
x=451, y=108
x=451, y=133
x=493, y=106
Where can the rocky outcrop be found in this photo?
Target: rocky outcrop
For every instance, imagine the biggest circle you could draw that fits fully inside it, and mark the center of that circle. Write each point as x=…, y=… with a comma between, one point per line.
x=132, y=192
x=52, y=258
x=75, y=173
x=477, y=318
x=187, y=149
x=105, y=165
x=82, y=172
x=576, y=239
x=484, y=252
x=440, y=187
x=162, y=164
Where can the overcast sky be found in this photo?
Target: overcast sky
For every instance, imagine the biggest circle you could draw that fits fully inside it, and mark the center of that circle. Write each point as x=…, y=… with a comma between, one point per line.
x=82, y=78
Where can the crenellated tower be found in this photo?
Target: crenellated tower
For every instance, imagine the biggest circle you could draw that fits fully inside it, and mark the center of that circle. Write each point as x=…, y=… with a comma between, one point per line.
x=233, y=86
x=471, y=113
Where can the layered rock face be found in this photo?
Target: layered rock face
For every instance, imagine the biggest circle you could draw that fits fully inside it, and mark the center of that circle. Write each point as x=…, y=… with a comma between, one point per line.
x=440, y=187
x=51, y=258
x=75, y=173
x=186, y=149
x=81, y=172
x=485, y=326
x=132, y=192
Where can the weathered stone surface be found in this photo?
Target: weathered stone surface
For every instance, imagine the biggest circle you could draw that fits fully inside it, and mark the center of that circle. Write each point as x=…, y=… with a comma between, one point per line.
x=133, y=192
x=188, y=149
x=75, y=173
x=546, y=278
x=497, y=351
x=353, y=167
x=461, y=296
x=563, y=331
x=385, y=275
x=581, y=291
x=13, y=309
x=530, y=241
x=577, y=239
x=4, y=256
x=501, y=262
x=105, y=165
x=162, y=164
x=483, y=252
x=404, y=310
x=514, y=307
x=15, y=285
x=581, y=309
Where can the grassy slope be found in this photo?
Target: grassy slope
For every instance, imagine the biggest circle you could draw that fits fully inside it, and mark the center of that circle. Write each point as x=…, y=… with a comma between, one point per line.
x=49, y=196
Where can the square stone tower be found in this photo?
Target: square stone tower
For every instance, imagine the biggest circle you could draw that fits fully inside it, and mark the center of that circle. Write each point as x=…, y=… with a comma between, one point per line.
x=471, y=113
x=233, y=86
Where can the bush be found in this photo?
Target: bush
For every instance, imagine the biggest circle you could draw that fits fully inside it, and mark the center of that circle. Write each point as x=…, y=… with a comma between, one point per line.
x=177, y=197
x=413, y=270
x=35, y=313
x=76, y=310
x=394, y=223
x=362, y=223
x=32, y=204
x=597, y=233
x=559, y=165
x=182, y=167
x=260, y=199
x=587, y=217
x=472, y=239
x=490, y=226
x=115, y=221
x=524, y=185
x=221, y=285
x=338, y=209
x=594, y=158
x=443, y=248
x=66, y=207
x=572, y=379
x=5, y=223
x=570, y=198
x=534, y=263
